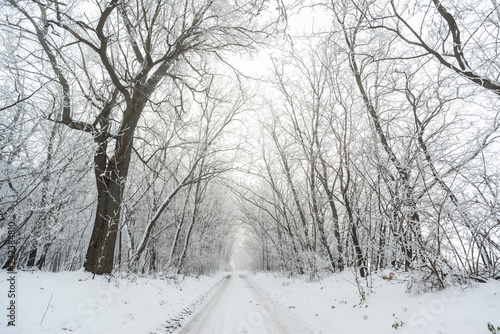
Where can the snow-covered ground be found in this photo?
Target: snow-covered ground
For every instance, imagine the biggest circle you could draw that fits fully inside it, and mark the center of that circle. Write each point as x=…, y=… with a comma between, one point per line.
x=334, y=305
x=71, y=302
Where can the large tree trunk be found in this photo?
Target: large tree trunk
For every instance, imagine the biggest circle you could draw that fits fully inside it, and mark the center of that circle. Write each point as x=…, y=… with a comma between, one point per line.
x=100, y=253
x=110, y=175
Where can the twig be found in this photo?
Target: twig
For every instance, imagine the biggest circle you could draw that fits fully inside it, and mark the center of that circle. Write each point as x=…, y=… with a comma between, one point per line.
x=47, y=308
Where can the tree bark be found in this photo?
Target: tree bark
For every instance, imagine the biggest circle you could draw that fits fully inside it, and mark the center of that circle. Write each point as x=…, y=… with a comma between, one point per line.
x=110, y=175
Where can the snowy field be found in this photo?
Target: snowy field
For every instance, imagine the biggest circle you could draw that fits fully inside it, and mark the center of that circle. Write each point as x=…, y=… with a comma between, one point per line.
x=334, y=305
x=71, y=302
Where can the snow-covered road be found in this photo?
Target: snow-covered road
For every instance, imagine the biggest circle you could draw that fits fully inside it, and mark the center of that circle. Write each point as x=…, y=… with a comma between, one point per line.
x=238, y=307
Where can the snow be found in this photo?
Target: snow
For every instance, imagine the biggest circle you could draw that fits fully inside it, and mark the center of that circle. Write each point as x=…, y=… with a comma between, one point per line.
x=240, y=307
x=334, y=305
x=251, y=303
x=84, y=305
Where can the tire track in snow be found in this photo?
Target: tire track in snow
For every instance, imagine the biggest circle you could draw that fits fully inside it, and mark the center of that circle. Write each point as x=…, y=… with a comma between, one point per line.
x=204, y=314
x=173, y=324
x=236, y=307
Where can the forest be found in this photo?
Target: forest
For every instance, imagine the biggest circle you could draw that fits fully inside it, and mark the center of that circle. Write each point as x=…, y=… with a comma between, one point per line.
x=303, y=137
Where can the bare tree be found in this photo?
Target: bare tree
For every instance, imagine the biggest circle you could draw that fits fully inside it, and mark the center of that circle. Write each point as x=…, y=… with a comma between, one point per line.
x=455, y=44
x=115, y=57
